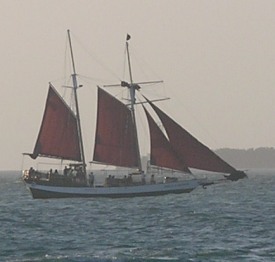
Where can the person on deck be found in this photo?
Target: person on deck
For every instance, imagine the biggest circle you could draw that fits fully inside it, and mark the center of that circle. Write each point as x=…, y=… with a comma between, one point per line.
x=143, y=181
x=31, y=172
x=91, y=179
x=152, y=181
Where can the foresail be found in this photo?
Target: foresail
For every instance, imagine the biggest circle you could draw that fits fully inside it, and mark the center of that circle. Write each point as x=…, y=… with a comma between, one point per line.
x=195, y=154
x=58, y=135
x=114, y=141
x=162, y=153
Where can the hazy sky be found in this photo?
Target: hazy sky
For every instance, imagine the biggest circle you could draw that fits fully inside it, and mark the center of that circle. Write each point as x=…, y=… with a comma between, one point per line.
x=217, y=59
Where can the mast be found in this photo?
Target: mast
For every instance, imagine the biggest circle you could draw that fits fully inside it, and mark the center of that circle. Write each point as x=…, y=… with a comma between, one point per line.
x=75, y=86
x=132, y=87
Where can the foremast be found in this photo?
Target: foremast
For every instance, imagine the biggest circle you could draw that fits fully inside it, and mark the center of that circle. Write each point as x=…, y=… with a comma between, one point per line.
x=75, y=87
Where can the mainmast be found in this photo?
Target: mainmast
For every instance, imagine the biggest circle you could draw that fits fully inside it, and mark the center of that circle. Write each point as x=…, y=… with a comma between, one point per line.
x=132, y=87
x=75, y=86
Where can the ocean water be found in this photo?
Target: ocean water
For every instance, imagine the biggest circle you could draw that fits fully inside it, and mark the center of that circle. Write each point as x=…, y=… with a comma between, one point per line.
x=226, y=222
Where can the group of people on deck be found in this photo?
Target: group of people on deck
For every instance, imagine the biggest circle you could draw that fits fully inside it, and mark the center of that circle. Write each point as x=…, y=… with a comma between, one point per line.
x=30, y=174
x=112, y=181
x=76, y=175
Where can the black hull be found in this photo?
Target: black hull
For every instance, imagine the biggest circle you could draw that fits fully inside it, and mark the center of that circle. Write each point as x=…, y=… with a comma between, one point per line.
x=44, y=194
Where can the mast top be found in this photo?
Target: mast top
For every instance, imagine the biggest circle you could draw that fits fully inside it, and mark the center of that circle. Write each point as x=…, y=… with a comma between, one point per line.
x=128, y=37
x=71, y=50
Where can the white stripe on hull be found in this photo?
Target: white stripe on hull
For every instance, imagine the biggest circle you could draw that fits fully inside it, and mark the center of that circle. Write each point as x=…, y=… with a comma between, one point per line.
x=45, y=191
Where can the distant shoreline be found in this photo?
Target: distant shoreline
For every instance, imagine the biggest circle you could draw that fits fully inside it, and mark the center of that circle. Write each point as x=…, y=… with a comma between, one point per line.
x=262, y=157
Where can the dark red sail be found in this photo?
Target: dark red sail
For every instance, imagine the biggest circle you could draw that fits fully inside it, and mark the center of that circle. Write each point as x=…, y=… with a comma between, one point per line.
x=58, y=135
x=114, y=141
x=162, y=153
x=195, y=154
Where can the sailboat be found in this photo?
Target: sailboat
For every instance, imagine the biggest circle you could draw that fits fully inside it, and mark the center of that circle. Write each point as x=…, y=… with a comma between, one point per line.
x=174, y=151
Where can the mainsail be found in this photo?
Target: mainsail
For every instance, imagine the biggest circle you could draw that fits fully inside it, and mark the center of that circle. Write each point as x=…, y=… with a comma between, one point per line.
x=58, y=135
x=193, y=152
x=114, y=141
x=162, y=153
